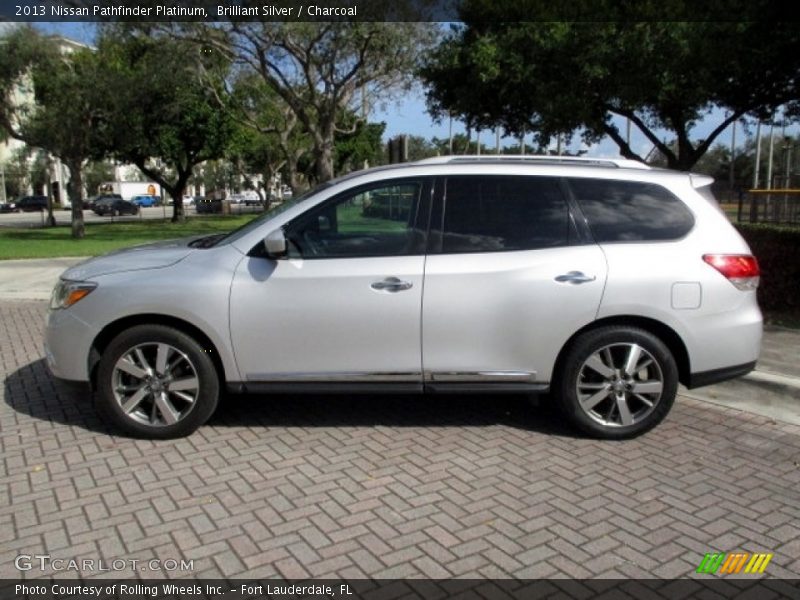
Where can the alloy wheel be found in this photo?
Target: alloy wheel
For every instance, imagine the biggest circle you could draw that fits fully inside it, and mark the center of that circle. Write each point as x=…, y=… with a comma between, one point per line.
x=155, y=384
x=619, y=385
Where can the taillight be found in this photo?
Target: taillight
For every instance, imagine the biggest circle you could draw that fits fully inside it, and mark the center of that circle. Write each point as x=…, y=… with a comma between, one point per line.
x=740, y=269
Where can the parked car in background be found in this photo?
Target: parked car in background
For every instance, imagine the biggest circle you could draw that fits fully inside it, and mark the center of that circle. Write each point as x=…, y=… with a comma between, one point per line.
x=208, y=205
x=145, y=200
x=9, y=207
x=32, y=203
x=115, y=207
x=88, y=204
x=246, y=197
x=92, y=202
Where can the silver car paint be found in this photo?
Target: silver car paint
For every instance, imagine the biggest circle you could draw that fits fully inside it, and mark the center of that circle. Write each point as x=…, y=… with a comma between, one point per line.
x=313, y=318
x=194, y=289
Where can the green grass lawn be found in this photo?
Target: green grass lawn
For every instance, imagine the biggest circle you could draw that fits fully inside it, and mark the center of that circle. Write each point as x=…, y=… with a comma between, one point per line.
x=104, y=237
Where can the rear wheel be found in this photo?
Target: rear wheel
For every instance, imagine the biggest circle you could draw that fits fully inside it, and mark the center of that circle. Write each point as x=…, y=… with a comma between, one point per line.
x=617, y=382
x=157, y=382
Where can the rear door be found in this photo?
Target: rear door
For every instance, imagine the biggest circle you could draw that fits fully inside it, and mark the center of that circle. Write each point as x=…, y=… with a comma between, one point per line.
x=508, y=279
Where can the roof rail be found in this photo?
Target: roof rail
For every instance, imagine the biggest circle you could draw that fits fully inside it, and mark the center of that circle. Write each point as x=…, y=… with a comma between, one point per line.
x=537, y=159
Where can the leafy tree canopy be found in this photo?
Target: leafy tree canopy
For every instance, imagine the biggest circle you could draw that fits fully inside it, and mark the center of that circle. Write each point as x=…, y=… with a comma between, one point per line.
x=165, y=117
x=501, y=68
x=320, y=71
x=49, y=101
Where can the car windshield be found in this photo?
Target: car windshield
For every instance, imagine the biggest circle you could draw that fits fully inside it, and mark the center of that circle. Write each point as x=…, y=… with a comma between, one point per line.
x=271, y=213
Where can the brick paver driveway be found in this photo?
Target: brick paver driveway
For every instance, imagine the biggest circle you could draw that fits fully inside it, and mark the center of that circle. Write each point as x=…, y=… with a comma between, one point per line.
x=386, y=486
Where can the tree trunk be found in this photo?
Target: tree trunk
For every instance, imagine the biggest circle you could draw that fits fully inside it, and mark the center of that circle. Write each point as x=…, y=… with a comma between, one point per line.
x=178, y=213
x=323, y=161
x=76, y=179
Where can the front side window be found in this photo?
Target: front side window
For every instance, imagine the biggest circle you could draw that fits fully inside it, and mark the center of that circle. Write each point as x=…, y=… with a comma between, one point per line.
x=372, y=221
x=494, y=214
x=631, y=211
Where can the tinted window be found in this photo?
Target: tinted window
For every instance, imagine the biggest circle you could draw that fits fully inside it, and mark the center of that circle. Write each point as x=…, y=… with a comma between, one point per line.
x=376, y=221
x=630, y=211
x=490, y=214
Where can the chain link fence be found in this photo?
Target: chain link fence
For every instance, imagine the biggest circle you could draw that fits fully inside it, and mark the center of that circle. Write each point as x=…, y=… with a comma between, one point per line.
x=779, y=206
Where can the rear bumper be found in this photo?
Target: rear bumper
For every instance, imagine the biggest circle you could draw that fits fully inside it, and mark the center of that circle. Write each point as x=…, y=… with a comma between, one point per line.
x=716, y=375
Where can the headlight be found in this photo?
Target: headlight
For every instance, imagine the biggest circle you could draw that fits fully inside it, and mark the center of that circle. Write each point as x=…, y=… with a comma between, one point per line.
x=67, y=293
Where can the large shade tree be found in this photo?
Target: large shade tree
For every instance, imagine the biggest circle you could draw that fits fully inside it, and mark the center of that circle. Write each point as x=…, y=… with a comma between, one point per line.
x=165, y=117
x=503, y=68
x=49, y=101
x=322, y=71
x=270, y=139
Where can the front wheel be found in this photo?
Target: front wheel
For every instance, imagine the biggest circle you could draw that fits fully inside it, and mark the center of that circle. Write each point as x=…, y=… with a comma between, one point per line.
x=617, y=382
x=157, y=382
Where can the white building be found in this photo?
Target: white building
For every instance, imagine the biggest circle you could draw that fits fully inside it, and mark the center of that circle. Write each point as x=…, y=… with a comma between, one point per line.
x=58, y=175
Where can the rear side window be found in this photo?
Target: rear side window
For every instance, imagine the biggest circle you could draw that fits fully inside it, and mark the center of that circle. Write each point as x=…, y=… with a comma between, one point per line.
x=631, y=211
x=494, y=214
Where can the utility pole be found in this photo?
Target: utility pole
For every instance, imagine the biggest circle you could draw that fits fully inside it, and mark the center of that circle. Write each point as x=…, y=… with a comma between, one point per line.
x=450, y=144
x=497, y=140
x=628, y=132
x=787, y=147
x=522, y=143
x=756, y=170
x=731, y=175
x=479, y=142
x=771, y=152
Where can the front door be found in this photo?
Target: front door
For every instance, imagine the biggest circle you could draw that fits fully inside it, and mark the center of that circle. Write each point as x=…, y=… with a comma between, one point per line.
x=345, y=305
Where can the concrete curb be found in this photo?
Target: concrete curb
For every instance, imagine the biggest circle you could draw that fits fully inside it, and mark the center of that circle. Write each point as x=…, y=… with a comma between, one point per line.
x=776, y=379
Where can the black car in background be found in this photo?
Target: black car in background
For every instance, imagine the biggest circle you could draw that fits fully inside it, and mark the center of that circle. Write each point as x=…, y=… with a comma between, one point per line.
x=9, y=207
x=114, y=207
x=208, y=205
x=32, y=203
x=90, y=202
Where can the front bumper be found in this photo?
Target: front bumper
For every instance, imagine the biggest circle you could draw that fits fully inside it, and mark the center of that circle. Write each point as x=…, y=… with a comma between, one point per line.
x=67, y=344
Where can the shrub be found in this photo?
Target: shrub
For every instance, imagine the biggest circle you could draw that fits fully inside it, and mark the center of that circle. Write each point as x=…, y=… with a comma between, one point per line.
x=777, y=249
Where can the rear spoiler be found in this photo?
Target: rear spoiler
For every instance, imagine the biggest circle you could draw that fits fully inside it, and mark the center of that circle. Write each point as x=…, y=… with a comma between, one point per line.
x=700, y=181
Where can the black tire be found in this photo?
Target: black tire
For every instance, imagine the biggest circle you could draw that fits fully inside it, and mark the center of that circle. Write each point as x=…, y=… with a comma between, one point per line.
x=191, y=363
x=626, y=393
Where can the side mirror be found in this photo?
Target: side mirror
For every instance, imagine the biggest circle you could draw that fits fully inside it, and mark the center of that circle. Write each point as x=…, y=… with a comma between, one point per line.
x=275, y=243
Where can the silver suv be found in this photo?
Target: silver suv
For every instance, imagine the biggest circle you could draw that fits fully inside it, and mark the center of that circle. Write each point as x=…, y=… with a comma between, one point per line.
x=602, y=282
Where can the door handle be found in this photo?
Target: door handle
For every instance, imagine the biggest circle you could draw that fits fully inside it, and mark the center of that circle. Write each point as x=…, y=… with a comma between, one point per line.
x=391, y=284
x=574, y=277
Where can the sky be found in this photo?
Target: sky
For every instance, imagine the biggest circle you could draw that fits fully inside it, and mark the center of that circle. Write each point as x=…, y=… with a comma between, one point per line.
x=408, y=114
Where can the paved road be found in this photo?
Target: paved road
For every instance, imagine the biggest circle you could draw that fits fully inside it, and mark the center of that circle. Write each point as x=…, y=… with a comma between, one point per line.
x=35, y=219
x=386, y=486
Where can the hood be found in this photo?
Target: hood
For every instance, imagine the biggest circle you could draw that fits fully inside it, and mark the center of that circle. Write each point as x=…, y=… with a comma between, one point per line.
x=137, y=258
